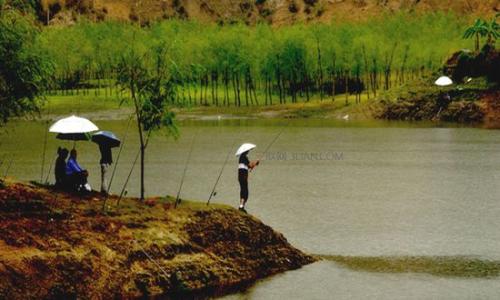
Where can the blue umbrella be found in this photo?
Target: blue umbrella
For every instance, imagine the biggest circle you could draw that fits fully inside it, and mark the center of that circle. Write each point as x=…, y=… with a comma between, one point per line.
x=106, y=138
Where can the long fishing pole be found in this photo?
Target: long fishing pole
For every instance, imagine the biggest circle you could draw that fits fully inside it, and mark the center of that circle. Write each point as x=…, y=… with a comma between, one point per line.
x=151, y=259
x=116, y=163
x=213, y=193
x=45, y=145
x=120, y=152
x=132, y=169
x=8, y=167
x=50, y=169
x=128, y=178
x=273, y=141
x=177, y=198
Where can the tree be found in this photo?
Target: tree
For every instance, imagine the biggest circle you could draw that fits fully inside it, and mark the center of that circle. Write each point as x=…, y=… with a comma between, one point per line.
x=24, y=69
x=493, y=32
x=482, y=28
x=147, y=76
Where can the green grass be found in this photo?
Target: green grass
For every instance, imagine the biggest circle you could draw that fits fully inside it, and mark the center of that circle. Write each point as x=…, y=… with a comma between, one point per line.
x=315, y=108
x=64, y=104
x=444, y=266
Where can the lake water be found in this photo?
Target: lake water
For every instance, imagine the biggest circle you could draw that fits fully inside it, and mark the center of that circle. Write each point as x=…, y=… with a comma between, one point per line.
x=332, y=188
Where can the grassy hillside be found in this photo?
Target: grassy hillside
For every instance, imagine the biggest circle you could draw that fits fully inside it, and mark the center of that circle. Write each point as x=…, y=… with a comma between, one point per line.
x=278, y=12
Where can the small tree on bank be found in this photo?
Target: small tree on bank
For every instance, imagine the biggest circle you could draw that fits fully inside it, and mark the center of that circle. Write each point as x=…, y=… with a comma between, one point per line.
x=147, y=77
x=24, y=69
x=482, y=28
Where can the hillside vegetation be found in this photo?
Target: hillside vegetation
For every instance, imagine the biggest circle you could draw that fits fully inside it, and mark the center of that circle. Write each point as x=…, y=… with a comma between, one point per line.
x=278, y=12
x=244, y=65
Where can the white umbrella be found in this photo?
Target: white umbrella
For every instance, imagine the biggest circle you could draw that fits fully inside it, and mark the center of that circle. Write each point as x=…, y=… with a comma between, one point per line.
x=73, y=124
x=443, y=81
x=244, y=148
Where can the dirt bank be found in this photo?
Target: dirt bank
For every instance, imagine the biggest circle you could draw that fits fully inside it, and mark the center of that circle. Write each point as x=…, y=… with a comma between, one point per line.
x=54, y=245
x=474, y=101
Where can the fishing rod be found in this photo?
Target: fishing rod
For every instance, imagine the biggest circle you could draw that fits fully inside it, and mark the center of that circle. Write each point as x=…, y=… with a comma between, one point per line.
x=278, y=135
x=178, y=199
x=50, y=169
x=45, y=146
x=116, y=163
x=120, y=152
x=128, y=178
x=151, y=259
x=132, y=169
x=272, y=142
x=8, y=166
x=3, y=160
x=213, y=193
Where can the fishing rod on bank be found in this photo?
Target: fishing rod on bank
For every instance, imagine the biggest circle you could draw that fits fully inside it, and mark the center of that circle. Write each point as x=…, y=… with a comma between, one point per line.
x=213, y=192
x=45, y=138
x=50, y=170
x=8, y=167
x=279, y=134
x=3, y=160
x=132, y=169
x=116, y=162
x=177, y=198
x=272, y=142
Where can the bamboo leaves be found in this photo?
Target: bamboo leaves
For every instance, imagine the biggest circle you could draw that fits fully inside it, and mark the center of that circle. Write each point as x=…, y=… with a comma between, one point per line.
x=241, y=65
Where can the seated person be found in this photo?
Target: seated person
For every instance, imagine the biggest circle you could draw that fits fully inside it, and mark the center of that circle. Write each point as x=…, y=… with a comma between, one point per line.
x=77, y=177
x=60, y=169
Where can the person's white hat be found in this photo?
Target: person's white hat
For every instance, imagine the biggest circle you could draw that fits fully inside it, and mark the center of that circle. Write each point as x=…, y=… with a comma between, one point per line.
x=244, y=148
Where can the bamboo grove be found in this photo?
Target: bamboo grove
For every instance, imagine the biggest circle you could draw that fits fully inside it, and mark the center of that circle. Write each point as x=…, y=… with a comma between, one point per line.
x=239, y=65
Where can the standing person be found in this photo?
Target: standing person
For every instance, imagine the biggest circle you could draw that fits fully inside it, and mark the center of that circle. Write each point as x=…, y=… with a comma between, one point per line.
x=106, y=161
x=60, y=169
x=244, y=166
x=77, y=176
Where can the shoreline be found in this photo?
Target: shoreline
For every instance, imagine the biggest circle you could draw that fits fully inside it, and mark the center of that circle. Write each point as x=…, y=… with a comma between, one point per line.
x=481, y=112
x=53, y=244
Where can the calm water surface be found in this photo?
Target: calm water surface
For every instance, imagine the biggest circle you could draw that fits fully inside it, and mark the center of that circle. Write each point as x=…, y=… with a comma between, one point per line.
x=361, y=189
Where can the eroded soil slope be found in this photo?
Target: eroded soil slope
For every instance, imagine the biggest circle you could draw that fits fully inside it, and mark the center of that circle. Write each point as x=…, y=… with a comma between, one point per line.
x=54, y=245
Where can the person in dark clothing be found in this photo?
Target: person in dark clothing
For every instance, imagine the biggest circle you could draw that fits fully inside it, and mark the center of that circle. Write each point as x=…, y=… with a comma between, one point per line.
x=244, y=166
x=76, y=175
x=106, y=161
x=60, y=169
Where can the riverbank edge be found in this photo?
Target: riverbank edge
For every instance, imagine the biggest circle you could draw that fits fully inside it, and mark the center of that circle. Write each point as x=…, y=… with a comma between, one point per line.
x=55, y=245
x=421, y=108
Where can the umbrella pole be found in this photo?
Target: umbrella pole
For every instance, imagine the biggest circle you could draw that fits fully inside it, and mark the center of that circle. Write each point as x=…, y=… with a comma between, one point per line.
x=177, y=198
x=220, y=174
x=116, y=164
